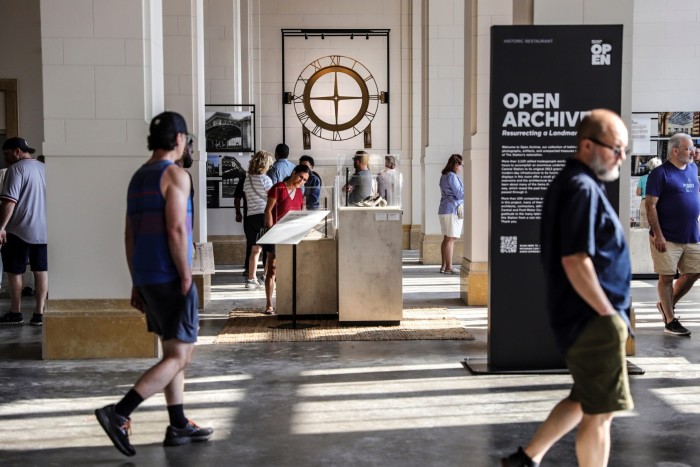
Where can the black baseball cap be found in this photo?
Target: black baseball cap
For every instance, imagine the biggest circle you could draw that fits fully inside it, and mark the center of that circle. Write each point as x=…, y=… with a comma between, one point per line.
x=17, y=143
x=168, y=123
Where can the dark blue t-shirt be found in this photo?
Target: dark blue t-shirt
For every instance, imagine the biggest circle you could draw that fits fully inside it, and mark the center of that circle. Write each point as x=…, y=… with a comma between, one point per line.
x=312, y=191
x=678, y=206
x=577, y=218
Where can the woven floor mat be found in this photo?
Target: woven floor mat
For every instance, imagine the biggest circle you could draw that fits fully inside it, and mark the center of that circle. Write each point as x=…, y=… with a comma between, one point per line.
x=417, y=324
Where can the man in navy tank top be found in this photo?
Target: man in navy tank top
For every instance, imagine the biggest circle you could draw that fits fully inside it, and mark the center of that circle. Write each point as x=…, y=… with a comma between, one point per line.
x=158, y=241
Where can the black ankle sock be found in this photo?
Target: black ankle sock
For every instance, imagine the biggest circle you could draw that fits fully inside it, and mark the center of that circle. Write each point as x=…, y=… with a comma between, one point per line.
x=177, y=416
x=128, y=404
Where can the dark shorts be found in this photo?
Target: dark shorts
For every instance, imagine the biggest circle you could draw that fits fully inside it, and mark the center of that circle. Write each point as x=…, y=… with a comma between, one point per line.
x=597, y=362
x=252, y=227
x=16, y=253
x=170, y=314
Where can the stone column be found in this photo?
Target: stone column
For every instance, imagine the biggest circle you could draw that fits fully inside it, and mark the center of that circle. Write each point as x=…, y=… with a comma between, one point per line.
x=414, y=89
x=443, y=108
x=228, y=78
x=183, y=64
x=592, y=12
x=103, y=81
x=480, y=15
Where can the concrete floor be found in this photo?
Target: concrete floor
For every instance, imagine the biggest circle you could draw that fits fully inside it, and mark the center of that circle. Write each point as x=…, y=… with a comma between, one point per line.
x=343, y=403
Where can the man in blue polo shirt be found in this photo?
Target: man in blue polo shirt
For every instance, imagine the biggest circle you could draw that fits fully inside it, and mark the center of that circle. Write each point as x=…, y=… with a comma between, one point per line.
x=282, y=168
x=588, y=273
x=673, y=206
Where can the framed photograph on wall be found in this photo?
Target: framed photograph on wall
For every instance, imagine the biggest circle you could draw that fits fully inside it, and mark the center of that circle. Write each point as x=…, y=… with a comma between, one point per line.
x=224, y=172
x=213, y=193
x=230, y=137
x=230, y=128
x=213, y=166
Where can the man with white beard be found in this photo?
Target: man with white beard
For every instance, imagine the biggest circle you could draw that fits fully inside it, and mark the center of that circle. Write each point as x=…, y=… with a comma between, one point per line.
x=673, y=207
x=588, y=272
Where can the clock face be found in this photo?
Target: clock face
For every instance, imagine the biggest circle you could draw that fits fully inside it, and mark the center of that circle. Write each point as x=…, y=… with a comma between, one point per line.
x=335, y=97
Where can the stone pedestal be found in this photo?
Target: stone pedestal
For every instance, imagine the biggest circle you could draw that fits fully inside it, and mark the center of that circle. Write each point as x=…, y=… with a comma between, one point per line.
x=369, y=265
x=228, y=249
x=430, y=249
x=203, y=284
x=317, y=279
x=202, y=269
x=474, y=283
x=96, y=329
x=639, y=252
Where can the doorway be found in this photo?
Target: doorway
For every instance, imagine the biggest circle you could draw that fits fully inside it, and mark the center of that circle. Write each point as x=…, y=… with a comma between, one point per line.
x=9, y=117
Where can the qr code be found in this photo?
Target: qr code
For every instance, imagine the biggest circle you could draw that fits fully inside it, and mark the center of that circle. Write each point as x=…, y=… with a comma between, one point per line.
x=509, y=244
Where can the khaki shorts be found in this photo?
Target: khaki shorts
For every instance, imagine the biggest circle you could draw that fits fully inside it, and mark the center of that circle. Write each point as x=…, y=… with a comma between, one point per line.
x=682, y=256
x=597, y=363
x=450, y=225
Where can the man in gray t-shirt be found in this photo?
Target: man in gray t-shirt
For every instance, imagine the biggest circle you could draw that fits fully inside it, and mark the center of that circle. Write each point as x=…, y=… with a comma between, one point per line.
x=23, y=228
x=360, y=184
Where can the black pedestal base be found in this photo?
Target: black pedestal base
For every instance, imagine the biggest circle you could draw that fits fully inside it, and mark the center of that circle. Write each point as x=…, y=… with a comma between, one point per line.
x=480, y=366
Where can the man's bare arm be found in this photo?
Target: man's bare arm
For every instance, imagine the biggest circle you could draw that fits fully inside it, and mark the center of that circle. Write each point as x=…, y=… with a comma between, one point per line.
x=175, y=186
x=129, y=247
x=6, y=210
x=271, y=202
x=582, y=276
x=653, y=218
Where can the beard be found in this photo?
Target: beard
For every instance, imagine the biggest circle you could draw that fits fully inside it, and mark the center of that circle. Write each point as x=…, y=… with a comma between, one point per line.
x=187, y=161
x=602, y=172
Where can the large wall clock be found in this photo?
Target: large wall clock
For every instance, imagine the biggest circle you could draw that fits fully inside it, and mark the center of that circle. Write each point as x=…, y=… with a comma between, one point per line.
x=336, y=98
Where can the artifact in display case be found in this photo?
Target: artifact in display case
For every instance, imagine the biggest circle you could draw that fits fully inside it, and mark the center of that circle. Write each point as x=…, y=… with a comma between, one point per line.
x=374, y=180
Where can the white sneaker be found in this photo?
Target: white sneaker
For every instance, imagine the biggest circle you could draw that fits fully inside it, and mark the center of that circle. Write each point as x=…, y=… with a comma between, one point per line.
x=252, y=284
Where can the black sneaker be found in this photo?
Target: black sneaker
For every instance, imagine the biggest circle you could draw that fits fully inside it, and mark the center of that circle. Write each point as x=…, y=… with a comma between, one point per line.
x=191, y=433
x=11, y=319
x=37, y=320
x=518, y=459
x=117, y=428
x=676, y=328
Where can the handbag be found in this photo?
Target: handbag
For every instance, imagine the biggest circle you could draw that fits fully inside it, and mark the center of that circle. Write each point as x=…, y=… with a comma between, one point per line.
x=261, y=232
x=460, y=211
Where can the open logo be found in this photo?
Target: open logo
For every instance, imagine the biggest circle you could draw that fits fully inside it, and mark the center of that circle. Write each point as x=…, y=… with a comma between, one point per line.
x=600, y=52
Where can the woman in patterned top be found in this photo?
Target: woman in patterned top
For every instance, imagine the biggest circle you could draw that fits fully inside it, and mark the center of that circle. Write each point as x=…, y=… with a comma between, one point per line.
x=255, y=188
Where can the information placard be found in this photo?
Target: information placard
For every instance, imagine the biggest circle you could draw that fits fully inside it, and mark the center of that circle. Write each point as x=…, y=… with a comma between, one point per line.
x=292, y=227
x=543, y=79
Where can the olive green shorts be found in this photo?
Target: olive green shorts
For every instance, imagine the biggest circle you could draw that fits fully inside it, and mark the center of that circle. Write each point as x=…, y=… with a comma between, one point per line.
x=597, y=363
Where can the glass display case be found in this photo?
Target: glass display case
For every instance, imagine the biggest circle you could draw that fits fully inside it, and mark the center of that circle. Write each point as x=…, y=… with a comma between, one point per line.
x=323, y=198
x=369, y=180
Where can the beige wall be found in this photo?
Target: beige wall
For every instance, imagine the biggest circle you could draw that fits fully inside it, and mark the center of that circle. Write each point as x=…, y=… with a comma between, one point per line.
x=243, y=55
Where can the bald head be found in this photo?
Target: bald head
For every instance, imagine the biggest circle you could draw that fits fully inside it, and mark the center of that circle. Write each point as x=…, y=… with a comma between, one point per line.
x=601, y=142
x=598, y=123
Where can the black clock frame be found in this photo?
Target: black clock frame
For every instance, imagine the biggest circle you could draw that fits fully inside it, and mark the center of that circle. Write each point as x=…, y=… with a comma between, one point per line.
x=352, y=34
